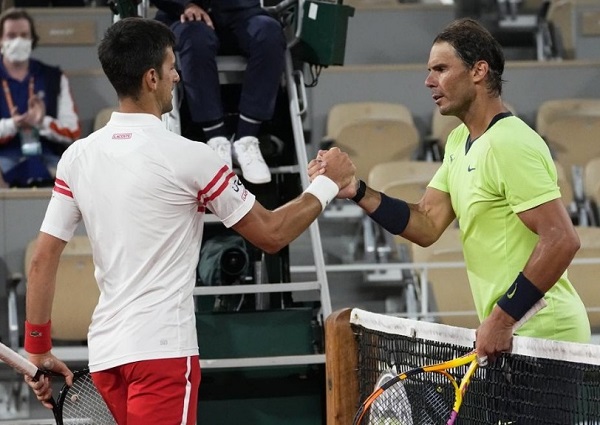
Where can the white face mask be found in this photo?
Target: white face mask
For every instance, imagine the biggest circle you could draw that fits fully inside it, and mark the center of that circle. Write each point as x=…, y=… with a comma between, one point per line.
x=17, y=49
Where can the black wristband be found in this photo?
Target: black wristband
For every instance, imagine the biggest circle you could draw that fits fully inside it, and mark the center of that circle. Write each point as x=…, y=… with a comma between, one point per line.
x=360, y=192
x=392, y=214
x=520, y=297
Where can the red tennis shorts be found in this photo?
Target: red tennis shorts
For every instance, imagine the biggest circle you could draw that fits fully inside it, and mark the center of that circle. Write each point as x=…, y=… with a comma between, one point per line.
x=152, y=392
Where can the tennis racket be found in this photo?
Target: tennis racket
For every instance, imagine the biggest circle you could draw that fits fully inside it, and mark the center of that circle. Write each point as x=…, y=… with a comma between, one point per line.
x=426, y=395
x=78, y=404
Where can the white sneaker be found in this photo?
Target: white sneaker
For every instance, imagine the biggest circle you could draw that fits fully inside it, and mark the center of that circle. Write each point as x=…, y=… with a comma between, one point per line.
x=222, y=147
x=246, y=153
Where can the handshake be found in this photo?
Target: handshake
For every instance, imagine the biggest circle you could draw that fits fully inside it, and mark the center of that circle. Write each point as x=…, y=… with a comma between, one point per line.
x=337, y=166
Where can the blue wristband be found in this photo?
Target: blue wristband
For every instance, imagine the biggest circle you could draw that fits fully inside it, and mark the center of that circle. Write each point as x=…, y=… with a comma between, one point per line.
x=392, y=214
x=520, y=297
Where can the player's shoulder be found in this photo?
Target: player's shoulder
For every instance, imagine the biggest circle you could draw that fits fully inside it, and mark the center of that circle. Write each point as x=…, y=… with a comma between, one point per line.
x=516, y=132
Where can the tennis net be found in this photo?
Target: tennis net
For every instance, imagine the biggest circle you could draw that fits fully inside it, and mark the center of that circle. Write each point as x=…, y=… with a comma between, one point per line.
x=540, y=382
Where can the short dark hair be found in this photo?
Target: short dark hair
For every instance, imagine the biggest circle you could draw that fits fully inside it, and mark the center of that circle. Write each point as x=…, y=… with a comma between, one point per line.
x=14, y=14
x=130, y=48
x=473, y=43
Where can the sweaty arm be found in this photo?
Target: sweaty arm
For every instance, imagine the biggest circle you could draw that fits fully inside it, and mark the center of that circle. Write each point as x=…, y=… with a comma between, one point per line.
x=273, y=230
x=424, y=221
x=41, y=282
x=558, y=242
x=421, y=223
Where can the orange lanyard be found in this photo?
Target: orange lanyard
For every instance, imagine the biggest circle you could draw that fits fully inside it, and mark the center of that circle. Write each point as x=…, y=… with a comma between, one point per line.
x=8, y=96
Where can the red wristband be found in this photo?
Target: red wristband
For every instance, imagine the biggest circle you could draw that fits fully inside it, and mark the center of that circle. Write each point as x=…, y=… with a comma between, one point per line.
x=37, y=338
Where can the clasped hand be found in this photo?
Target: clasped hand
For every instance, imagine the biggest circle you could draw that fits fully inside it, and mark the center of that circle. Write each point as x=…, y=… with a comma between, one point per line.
x=36, y=111
x=331, y=162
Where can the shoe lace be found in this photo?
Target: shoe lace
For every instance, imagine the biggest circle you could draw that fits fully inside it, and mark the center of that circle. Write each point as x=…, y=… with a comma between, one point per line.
x=223, y=149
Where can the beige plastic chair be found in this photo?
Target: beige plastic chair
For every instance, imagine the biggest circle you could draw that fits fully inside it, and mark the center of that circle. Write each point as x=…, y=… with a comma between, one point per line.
x=344, y=114
x=76, y=292
x=564, y=184
x=551, y=110
x=561, y=15
x=592, y=180
x=574, y=140
x=584, y=277
x=449, y=287
x=371, y=142
x=405, y=179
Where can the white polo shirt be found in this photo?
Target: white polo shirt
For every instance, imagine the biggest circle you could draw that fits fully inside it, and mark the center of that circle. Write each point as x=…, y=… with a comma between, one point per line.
x=142, y=192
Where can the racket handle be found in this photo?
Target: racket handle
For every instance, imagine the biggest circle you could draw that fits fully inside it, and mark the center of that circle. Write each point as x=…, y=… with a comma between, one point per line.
x=18, y=362
x=533, y=310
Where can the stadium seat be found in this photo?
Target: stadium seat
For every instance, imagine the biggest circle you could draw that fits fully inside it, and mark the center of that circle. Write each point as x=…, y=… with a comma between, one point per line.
x=591, y=183
x=372, y=132
x=76, y=293
x=405, y=179
x=566, y=190
x=343, y=114
x=584, y=277
x=573, y=141
x=375, y=141
x=449, y=286
x=561, y=14
x=551, y=110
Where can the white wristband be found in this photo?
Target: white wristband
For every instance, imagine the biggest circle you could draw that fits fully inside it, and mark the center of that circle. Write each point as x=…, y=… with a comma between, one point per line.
x=324, y=189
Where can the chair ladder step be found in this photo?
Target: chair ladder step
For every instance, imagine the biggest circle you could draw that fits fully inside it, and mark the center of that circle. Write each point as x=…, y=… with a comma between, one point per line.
x=257, y=289
x=306, y=359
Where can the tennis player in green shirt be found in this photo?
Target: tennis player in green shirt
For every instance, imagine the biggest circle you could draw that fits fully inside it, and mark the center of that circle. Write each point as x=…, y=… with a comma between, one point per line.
x=499, y=181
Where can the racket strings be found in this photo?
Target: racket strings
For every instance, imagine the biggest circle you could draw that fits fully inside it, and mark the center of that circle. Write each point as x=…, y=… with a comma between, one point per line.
x=83, y=405
x=424, y=399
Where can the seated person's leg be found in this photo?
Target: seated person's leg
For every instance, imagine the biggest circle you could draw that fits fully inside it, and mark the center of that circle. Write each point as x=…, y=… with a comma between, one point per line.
x=262, y=41
x=51, y=162
x=7, y=163
x=197, y=47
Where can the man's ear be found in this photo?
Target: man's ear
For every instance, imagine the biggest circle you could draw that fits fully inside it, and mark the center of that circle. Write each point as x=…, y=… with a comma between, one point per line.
x=151, y=79
x=480, y=71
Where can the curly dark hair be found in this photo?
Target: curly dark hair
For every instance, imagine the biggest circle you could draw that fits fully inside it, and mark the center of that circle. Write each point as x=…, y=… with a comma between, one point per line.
x=474, y=43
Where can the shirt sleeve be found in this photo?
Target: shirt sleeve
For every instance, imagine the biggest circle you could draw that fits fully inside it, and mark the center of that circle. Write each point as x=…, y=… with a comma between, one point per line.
x=227, y=197
x=63, y=215
x=526, y=176
x=216, y=187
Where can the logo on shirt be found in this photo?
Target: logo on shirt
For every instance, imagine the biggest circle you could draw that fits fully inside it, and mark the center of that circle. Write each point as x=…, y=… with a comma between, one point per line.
x=121, y=136
x=469, y=168
x=451, y=157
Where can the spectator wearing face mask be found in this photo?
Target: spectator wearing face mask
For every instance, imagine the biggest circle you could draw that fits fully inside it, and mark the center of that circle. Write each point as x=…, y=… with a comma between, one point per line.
x=38, y=118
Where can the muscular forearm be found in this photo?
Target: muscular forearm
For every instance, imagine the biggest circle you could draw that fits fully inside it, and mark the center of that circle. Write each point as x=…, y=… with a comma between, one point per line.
x=426, y=220
x=550, y=259
x=41, y=278
x=40, y=293
x=273, y=230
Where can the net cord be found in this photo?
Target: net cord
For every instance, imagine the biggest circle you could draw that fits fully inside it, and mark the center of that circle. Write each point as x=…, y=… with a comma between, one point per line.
x=526, y=346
